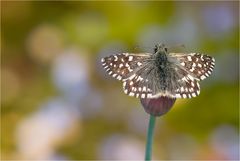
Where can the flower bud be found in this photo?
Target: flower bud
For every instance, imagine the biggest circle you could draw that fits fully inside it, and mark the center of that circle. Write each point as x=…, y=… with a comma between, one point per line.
x=157, y=106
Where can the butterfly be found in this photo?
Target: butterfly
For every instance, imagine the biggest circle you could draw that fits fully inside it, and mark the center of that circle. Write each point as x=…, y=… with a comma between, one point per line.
x=153, y=75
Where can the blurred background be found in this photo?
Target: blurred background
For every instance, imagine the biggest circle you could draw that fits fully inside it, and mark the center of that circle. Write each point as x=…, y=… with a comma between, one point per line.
x=57, y=103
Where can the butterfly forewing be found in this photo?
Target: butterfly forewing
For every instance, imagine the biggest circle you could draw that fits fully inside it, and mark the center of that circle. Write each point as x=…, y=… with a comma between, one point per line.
x=199, y=65
x=121, y=66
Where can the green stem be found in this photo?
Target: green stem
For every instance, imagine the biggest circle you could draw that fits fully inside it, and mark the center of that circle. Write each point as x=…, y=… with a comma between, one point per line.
x=148, y=153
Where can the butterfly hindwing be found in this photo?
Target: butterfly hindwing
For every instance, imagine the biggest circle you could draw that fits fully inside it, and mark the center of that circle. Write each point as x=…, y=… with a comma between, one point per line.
x=137, y=86
x=188, y=87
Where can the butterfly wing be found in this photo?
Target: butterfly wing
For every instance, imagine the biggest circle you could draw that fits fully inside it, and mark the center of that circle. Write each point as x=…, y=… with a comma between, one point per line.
x=190, y=68
x=140, y=84
x=122, y=66
x=141, y=79
x=133, y=70
x=198, y=65
x=186, y=86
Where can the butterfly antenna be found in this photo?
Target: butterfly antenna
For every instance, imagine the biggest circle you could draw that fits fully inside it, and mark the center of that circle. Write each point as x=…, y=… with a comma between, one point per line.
x=142, y=47
x=177, y=46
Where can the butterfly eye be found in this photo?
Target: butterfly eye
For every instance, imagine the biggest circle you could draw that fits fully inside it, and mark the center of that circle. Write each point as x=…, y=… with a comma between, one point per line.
x=165, y=49
x=155, y=49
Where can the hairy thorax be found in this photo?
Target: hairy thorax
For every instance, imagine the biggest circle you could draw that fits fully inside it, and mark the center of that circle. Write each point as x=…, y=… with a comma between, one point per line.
x=161, y=60
x=162, y=63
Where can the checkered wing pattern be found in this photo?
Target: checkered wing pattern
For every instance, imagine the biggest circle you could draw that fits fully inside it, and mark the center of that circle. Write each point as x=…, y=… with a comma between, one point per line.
x=187, y=85
x=193, y=68
x=133, y=70
x=199, y=65
x=142, y=77
x=122, y=66
x=140, y=83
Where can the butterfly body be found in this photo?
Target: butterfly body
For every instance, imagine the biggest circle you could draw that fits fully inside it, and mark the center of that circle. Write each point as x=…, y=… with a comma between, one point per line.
x=151, y=75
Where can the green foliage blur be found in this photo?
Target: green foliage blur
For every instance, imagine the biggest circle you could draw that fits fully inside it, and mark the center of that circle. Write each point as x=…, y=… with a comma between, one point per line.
x=35, y=34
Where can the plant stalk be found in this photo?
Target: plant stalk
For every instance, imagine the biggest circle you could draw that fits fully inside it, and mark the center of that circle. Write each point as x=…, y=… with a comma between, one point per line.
x=151, y=125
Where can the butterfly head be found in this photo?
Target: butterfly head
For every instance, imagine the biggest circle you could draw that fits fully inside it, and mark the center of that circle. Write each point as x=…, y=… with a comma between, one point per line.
x=160, y=55
x=160, y=49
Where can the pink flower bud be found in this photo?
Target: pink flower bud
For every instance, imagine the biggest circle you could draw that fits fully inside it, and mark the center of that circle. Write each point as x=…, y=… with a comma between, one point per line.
x=157, y=106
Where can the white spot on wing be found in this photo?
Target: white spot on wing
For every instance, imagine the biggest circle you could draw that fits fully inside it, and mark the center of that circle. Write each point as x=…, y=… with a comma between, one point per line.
x=184, y=96
x=131, y=83
x=198, y=92
x=184, y=79
x=192, y=84
x=139, y=64
x=149, y=95
x=115, y=58
x=182, y=89
x=139, y=78
x=190, y=77
x=131, y=94
x=130, y=70
x=189, y=58
x=178, y=95
x=132, y=76
x=130, y=58
x=119, y=77
x=183, y=64
x=144, y=89
x=191, y=70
